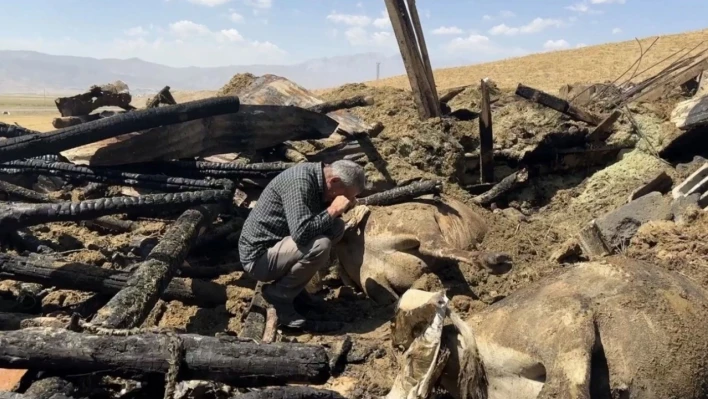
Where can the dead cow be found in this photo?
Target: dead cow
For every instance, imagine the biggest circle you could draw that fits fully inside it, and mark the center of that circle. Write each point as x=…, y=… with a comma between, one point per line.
x=613, y=329
x=386, y=249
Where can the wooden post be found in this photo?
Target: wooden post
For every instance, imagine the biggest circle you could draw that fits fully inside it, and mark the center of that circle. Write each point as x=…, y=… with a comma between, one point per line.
x=486, y=138
x=415, y=19
x=415, y=69
x=558, y=104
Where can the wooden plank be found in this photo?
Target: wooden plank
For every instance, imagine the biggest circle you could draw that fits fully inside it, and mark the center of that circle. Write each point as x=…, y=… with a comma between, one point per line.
x=405, y=37
x=591, y=242
x=662, y=86
x=691, y=113
x=558, y=104
x=661, y=183
x=603, y=131
x=415, y=19
x=486, y=137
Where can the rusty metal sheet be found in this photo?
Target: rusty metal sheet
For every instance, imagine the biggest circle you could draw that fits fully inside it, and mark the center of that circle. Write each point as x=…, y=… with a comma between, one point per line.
x=277, y=90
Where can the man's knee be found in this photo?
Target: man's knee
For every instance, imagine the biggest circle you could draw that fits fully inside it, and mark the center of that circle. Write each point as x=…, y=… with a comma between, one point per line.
x=320, y=248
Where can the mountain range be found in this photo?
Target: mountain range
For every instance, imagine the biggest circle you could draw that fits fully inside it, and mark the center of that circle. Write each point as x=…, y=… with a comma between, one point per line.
x=29, y=72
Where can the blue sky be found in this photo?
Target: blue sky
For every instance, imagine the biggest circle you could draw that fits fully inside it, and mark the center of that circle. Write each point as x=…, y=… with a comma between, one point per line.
x=238, y=32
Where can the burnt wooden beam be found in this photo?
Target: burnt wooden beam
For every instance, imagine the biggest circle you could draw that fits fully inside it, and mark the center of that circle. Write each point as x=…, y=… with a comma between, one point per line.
x=662, y=86
x=557, y=104
x=405, y=36
x=205, y=358
x=347, y=103
x=402, y=194
x=90, y=132
x=10, y=131
x=82, y=277
x=661, y=183
x=162, y=97
x=425, y=57
x=67, y=121
x=486, y=137
x=129, y=307
x=202, y=169
x=507, y=184
x=292, y=392
x=603, y=131
x=85, y=103
x=16, y=215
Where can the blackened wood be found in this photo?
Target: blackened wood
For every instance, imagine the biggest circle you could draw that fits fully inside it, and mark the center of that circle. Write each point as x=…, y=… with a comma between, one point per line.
x=206, y=358
x=603, y=131
x=133, y=303
x=661, y=183
x=405, y=36
x=344, y=150
x=452, y=93
x=425, y=57
x=68, y=121
x=16, y=215
x=90, y=132
x=210, y=169
x=557, y=104
x=507, y=184
x=82, y=277
x=162, y=97
x=486, y=137
x=21, y=193
x=402, y=194
x=666, y=84
x=106, y=175
x=9, y=131
x=216, y=235
x=293, y=392
x=85, y=103
x=335, y=105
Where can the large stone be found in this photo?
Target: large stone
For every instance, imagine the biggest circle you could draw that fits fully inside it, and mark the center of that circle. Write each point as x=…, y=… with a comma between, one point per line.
x=619, y=226
x=684, y=208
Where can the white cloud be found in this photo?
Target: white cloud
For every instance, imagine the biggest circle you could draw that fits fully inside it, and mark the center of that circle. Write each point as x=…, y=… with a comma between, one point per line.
x=136, y=31
x=231, y=35
x=556, y=44
x=582, y=8
x=209, y=3
x=360, y=37
x=504, y=14
x=359, y=5
x=264, y=4
x=616, y=31
x=608, y=1
x=383, y=22
x=447, y=30
x=482, y=48
x=186, y=28
x=236, y=17
x=535, y=26
x=348, y=19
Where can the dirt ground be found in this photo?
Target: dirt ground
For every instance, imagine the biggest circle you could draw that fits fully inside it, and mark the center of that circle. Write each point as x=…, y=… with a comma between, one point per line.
x=530, y=225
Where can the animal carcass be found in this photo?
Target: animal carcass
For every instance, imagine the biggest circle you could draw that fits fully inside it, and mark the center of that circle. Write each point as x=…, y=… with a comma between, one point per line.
x=613, y=329
x=386, y=249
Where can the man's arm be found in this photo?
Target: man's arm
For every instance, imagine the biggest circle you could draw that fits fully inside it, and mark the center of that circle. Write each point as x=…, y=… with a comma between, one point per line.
x=303, y=222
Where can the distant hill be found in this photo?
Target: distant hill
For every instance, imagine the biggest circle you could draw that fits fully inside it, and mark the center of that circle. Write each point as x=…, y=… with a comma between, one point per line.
x=32, y=72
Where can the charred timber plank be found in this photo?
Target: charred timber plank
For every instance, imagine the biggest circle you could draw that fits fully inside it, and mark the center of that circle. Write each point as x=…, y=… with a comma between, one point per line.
x=344, y=150
x=486, y=137
x=603, y=131
x=425, y=57
x=133, y=303
x=557, y=104
x=507, y=184
x=452, y=93
x=82, y=277
x=206, y=358
x=85, y=103
x=415, y=69
x=402, y=194
x=162, y=97
x=664, y=85
x=106, y=175
x=253, y=127
x=691, y=113
x=11, y=131
x=67, y=121
x=347, y=103
x=661, y=183
x=211, y=169
x=16, y=215
x=90, y=132
x=293, y=392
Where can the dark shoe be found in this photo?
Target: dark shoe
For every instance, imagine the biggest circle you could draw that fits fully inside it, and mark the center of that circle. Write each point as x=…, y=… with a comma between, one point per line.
x=287, y=315
x=304, y=299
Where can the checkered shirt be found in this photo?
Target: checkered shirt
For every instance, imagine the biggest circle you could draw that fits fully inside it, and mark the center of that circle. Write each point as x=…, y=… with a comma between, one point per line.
x=292, y=204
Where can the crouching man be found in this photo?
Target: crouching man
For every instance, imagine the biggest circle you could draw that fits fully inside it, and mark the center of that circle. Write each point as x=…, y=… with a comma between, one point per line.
x=288, y=235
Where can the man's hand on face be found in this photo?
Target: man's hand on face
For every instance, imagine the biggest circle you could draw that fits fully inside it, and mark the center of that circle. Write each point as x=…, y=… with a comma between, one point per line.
x=340, y=205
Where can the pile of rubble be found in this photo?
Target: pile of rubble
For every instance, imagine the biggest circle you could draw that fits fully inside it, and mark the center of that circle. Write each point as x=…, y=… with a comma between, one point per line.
x=122, y=225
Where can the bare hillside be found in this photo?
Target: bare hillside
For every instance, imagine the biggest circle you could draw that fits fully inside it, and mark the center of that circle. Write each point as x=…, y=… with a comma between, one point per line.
x=548, y=71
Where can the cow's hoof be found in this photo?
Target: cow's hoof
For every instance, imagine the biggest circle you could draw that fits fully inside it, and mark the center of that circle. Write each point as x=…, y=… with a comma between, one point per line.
x=496, y=262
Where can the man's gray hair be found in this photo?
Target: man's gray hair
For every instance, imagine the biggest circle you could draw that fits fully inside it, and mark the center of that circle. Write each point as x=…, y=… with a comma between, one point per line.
x=351, y=174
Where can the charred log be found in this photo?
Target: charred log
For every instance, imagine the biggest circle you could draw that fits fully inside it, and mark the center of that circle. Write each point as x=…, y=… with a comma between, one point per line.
x=211, y=169
x=218, y=234
x=16, y=215
x=350, y=150
x=12, y=131
x=82, y=277
x=503, y=187
x=347, y=103
x=402, y=194
x=90, y=132
x=68, y=121
x=162, y=97
x=142, y=291
x=95, y=98
x=293, y=392
x=21, y=193
x=107, y=176
x=205, y=358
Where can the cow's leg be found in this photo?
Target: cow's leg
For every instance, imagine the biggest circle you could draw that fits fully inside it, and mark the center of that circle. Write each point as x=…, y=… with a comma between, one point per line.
x=568, y=358
x=494, y=262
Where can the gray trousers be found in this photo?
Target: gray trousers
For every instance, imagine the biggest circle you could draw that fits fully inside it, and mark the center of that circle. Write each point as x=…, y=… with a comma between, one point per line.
x=290, y=267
